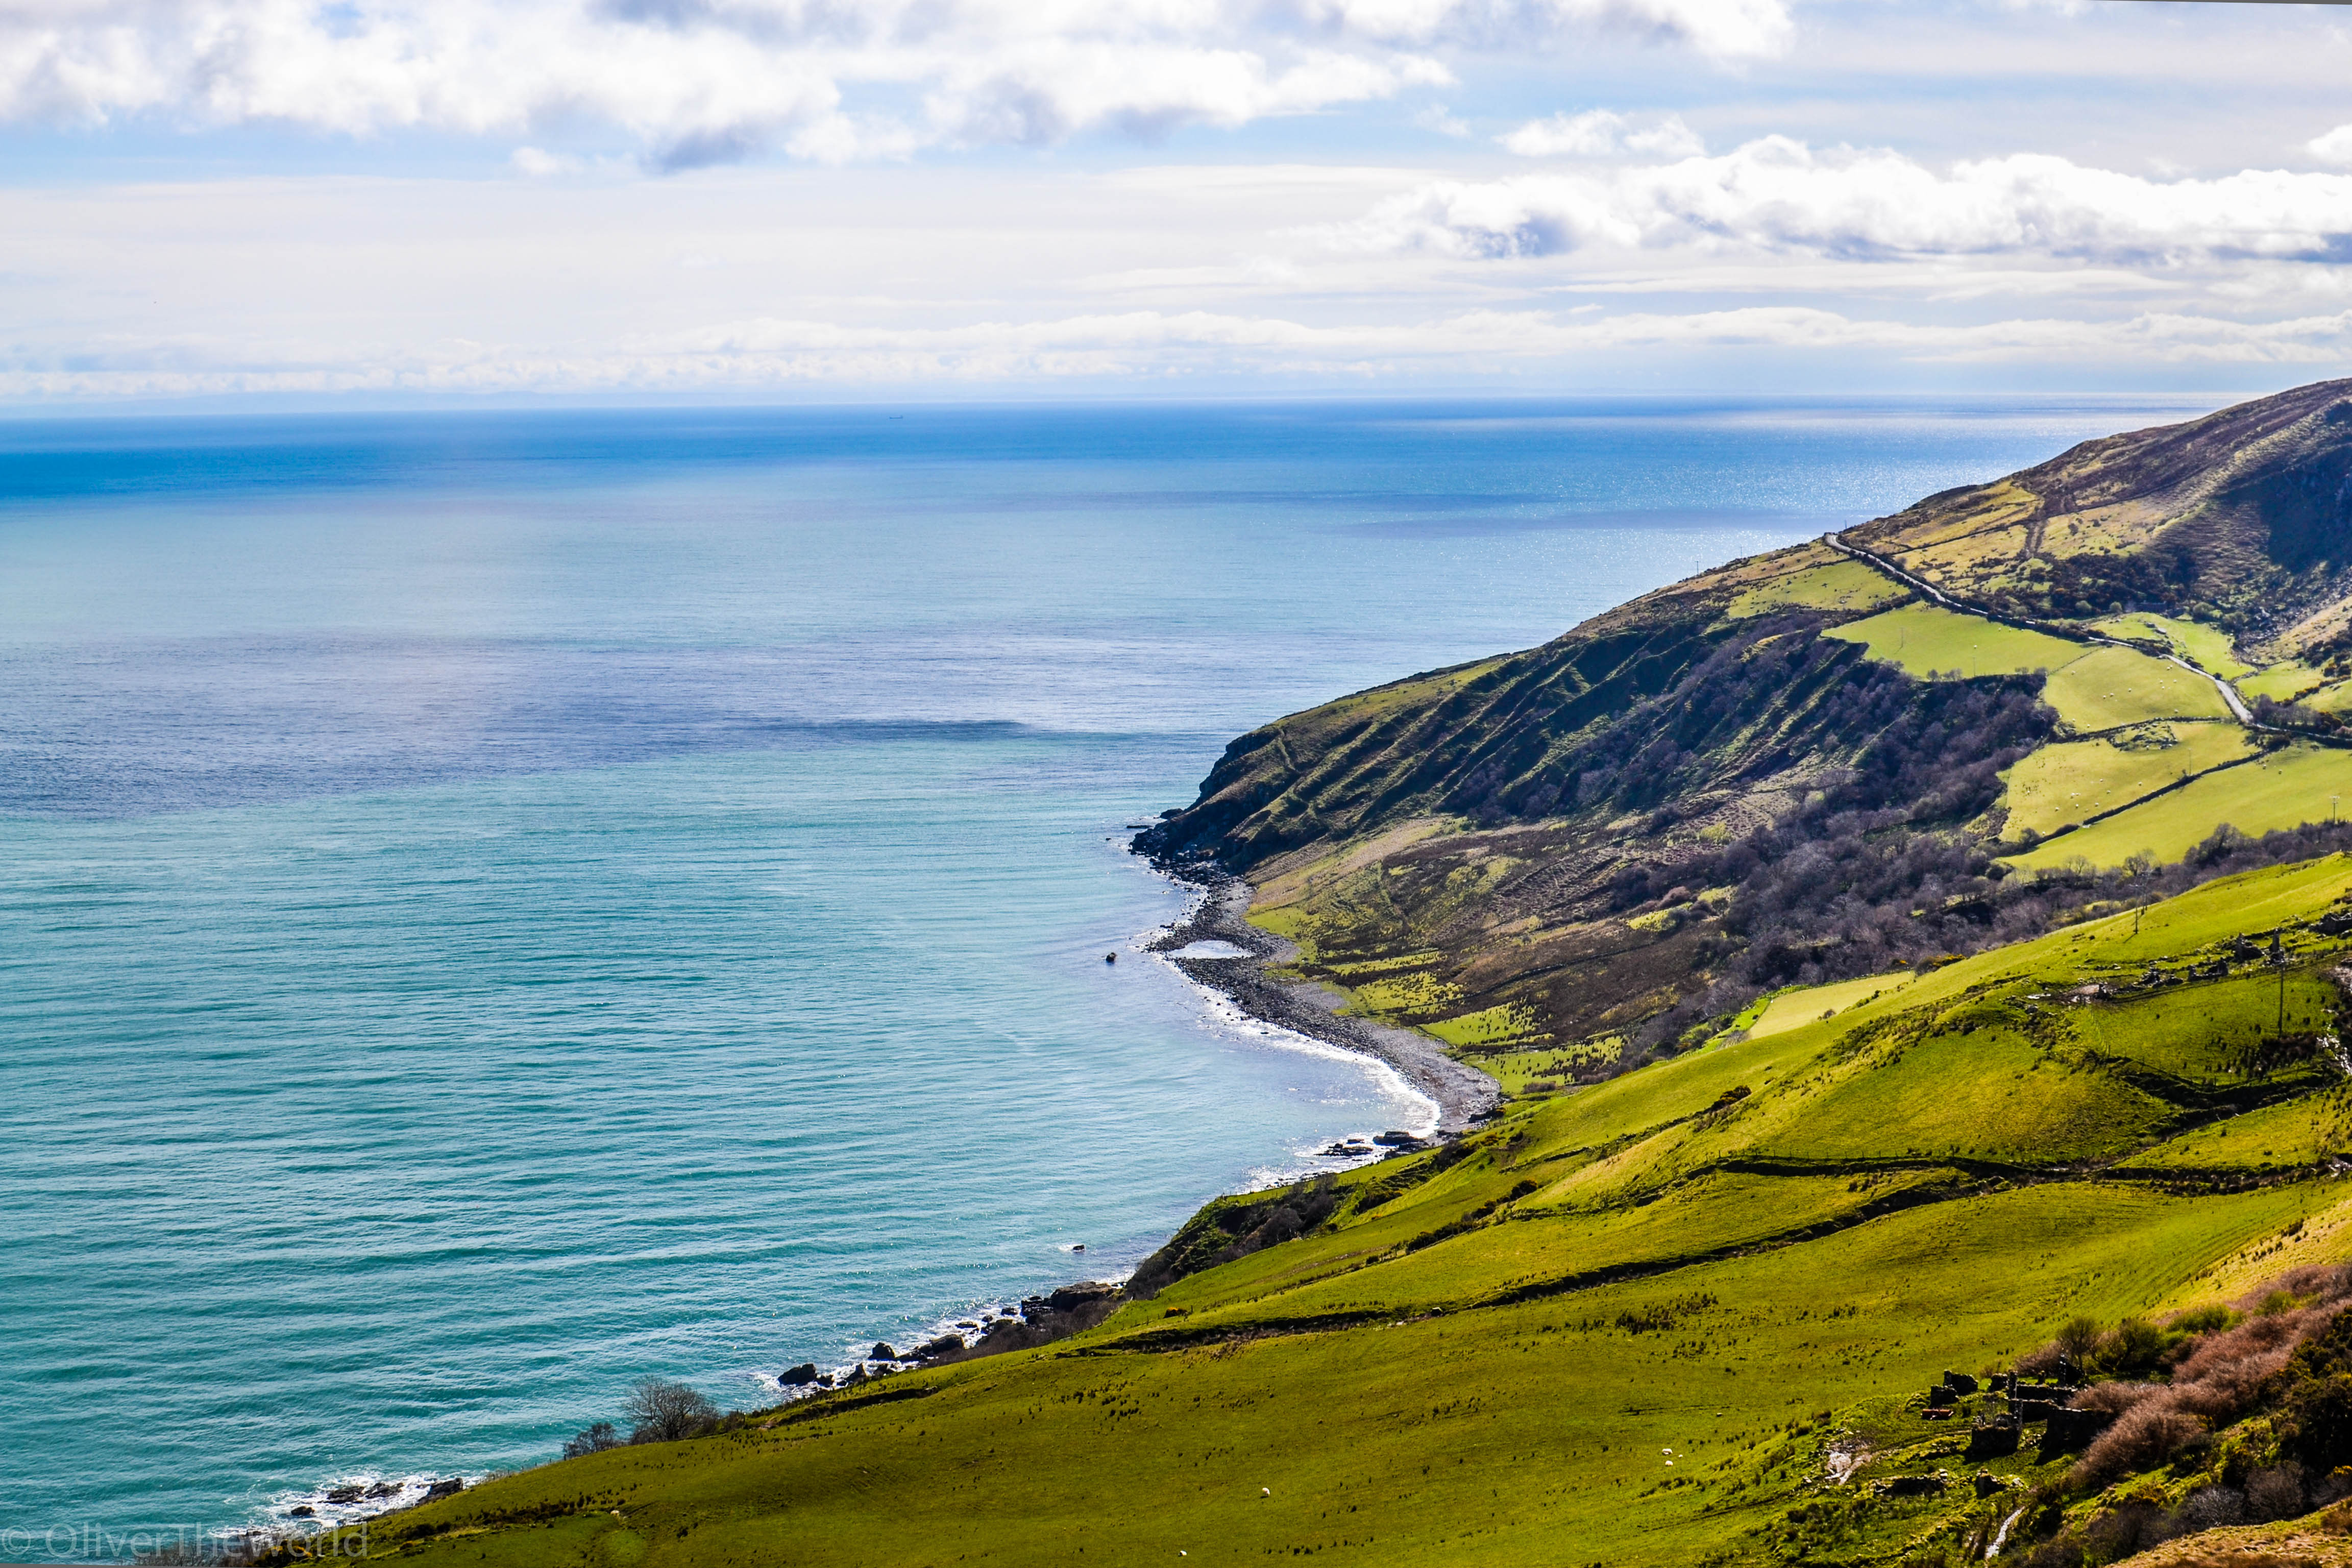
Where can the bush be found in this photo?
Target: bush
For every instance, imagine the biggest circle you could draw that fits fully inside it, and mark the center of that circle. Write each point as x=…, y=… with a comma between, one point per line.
x=2213, y=1507
x=2141, y=1439
x=2131, y=1528
x=592, y=1439
x=2133, y=1346
x=2275, y=1493
x=660, y=1411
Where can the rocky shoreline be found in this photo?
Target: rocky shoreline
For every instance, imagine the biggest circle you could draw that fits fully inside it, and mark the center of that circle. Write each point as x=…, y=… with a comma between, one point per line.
x=1465, y=1096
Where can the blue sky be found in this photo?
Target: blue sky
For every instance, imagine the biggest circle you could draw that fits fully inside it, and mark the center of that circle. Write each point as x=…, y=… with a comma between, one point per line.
x=822, y=199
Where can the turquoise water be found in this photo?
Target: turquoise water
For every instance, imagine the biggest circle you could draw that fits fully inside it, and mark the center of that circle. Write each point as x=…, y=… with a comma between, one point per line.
x=495, y=906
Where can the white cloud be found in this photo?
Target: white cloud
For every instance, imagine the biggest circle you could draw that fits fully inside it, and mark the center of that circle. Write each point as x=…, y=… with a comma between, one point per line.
x=1727, y=29
x=700, y=81
x=1776, y=197
x=2334, y=147
x=541, y=165
x=1603, y=133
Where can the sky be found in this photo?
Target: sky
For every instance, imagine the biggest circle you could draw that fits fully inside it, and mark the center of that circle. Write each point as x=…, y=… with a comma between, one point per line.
x=822, y=200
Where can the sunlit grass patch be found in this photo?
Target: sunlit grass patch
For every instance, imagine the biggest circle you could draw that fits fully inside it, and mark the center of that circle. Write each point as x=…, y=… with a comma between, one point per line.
x=1490, y=1028
x=1804, y=1005
x=1993, y=1093
x=2291, y=787
x=1543, y=1072
x=2109, y=686
x=1840, y=585
x=2208, y=648
x=2298, y=1133
x=1928, y=641
x=2206, y=1033
x=2284, y=682
x=2069, y=780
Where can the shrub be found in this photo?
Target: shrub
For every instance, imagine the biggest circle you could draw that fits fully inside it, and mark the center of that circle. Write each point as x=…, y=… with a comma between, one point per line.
x=2132, y=1527
x=2275, y=1493
x=2214, y=1508
x=2133, y=1346
x=2141, y=1439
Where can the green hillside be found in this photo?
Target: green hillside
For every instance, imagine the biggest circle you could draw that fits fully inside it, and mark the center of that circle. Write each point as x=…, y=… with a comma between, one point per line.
x=1797, y=769
x=1636, y=1323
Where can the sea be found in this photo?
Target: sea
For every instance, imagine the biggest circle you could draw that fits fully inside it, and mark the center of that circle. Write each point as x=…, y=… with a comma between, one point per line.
x=495, y=905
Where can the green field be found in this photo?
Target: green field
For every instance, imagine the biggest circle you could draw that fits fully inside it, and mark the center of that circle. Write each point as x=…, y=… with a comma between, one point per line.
x=2208, y=648
x=2291, y=787
x=2109, y=686
x=1547, y=1068
x=1622, y=1325
x=1840, y=585
x=1490, y=1028
x=1928, y=641
x=1809, y=1003
x=2093, y=689
x=2283, y=682
x=2276, y=1137
x=2201, y=1035
x=2066, y=781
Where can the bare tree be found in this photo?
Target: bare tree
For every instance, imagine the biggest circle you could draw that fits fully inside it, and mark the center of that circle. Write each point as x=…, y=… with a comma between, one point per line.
x=660, y=1411
x=593, y=1438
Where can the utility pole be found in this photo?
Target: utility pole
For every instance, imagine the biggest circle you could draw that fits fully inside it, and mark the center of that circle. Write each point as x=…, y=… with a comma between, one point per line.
x=2278, y=957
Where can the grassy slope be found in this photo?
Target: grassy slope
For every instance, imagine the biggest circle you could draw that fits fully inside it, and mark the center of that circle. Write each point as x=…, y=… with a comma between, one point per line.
x=2207, y=646
x=2292, y=785
x=2062, y=784
x=1804, y=1005
x=1928, y=642
x=2110, y=687
x=1846, y=585
x=2093, y=689
x=1488, y=1362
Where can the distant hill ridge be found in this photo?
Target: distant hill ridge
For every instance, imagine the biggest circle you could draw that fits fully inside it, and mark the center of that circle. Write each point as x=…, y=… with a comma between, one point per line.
x=2243, y=518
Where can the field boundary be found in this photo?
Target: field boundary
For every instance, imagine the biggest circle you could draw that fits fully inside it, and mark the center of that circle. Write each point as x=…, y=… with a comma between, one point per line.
x=2181, y=783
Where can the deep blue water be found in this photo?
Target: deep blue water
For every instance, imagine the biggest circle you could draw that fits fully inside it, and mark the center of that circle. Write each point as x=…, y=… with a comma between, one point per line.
x=496, y=905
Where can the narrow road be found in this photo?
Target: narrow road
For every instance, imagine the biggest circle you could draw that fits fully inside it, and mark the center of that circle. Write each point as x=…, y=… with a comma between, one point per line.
x=2229, y=693
x=1879, y=563
x=1869, y=558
